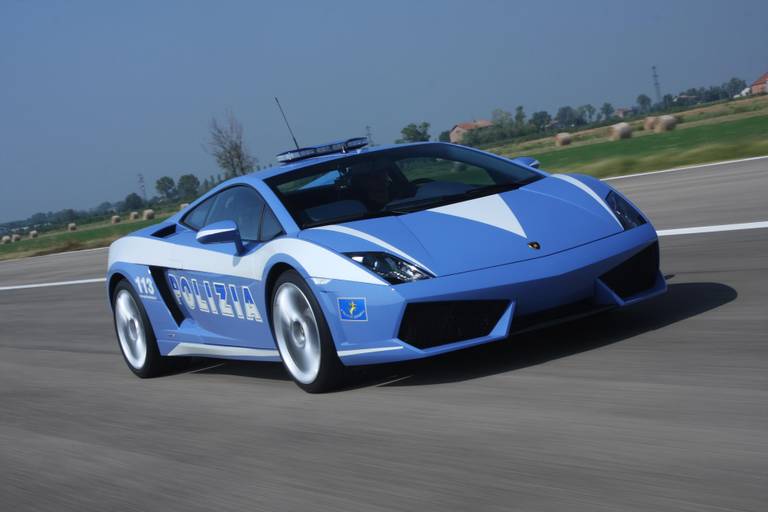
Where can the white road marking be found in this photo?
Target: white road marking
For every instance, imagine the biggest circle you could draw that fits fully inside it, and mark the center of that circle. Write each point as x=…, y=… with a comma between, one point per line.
x=59, y=283
x=713, y=229
x=663, y=232
x=687, y=168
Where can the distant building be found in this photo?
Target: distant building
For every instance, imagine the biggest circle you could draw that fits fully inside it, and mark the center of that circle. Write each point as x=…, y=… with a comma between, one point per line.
x=458, y=131
x=760, y=86
x=621, y=113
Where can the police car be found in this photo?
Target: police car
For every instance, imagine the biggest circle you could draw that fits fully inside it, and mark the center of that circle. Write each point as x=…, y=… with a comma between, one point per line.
x=347, y=255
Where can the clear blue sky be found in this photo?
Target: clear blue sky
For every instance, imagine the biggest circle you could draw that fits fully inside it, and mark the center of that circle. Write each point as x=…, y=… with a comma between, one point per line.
x=92, y=93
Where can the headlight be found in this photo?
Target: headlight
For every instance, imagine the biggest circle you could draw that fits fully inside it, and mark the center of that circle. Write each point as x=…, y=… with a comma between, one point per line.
x=393, y=269
x=625, y=212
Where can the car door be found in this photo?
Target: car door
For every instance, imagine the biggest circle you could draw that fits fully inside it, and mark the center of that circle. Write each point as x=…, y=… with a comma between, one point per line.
x=216, y=287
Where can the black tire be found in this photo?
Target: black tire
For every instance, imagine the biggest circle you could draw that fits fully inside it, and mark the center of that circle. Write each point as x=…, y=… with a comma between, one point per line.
x=330, y=374
x=152, y=364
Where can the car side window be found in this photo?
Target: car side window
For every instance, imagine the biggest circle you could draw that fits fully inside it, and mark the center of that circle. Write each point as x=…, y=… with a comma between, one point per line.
x=240, y=204
x=270, y=226
x=195, y=219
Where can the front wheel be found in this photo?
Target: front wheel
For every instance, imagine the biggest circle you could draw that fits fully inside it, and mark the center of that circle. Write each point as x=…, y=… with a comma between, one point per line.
x=302, y=335
x=135, y=335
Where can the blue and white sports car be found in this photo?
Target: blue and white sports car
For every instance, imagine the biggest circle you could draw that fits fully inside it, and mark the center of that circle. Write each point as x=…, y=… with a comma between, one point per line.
x=347, y=255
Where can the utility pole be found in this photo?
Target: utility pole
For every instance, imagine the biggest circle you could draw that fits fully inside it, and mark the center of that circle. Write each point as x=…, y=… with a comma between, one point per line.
x=656, y=84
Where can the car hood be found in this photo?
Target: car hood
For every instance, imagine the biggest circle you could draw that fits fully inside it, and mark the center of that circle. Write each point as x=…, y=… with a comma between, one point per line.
x=554, y=214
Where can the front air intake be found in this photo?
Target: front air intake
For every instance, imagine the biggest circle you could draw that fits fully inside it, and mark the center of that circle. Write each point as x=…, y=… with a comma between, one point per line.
x=429, y=324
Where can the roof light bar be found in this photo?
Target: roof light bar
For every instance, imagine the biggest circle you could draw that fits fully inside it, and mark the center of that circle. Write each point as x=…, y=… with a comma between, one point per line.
x=324, y=149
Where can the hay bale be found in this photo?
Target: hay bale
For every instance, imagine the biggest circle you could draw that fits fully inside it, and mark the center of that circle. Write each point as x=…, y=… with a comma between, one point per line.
x=133, y=216
x=650, y=123
x=620, y=131
x=183, y=205
x=71, y=226
x=115, y=219
x=15, y=237
x=33, y=234
x=148, y=214
x=5, y=240
x=563, y=139
x=665, y=124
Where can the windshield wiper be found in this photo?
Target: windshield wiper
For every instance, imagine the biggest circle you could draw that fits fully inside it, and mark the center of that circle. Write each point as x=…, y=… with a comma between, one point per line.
x=440, y=200
x=491, y=189
x=412, y=206
x=349, y=218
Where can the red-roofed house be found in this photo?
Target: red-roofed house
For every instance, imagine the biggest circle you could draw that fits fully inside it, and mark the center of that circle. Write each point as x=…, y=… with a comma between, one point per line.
x=760, y=86
x=458, y=131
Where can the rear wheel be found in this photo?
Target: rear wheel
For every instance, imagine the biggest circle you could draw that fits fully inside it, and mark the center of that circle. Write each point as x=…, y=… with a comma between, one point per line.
x=302, y=335
x=135, y=335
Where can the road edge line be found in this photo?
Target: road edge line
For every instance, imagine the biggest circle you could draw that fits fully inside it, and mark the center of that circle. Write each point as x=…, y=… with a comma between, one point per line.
x=686, y=168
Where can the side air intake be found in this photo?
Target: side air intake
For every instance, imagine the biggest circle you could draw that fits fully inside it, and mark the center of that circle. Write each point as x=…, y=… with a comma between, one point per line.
x=634, y=275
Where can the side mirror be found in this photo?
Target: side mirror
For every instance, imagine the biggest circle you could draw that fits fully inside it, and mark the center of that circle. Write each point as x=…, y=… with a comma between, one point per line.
x=220, y=232
x=527, y=161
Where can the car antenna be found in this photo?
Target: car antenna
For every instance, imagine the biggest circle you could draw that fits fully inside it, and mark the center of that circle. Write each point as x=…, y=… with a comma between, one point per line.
x=286, y=122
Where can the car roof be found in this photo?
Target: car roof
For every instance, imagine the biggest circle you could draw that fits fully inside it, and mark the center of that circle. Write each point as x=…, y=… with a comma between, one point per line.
x=282, y=169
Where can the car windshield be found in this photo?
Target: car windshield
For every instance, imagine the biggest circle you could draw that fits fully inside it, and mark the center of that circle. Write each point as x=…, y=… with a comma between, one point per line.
x=393, y=182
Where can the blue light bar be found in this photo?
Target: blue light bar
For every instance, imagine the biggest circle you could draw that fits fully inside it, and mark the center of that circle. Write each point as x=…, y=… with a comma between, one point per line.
x=325, y=149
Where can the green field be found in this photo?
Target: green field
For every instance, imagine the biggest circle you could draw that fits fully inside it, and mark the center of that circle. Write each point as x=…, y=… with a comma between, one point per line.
x=87, y=237
x=709, y=140
x=706, y=143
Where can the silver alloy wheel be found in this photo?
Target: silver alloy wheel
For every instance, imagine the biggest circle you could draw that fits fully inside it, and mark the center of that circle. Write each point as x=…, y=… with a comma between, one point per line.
x=130, y=329
x=296, y=332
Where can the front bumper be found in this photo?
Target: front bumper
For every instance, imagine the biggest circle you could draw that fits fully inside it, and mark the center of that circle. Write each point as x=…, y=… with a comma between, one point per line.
x=535, y=292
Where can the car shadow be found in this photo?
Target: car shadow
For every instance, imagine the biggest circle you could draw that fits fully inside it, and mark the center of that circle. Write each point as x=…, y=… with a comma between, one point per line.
x=682, y=301
x=258, y=370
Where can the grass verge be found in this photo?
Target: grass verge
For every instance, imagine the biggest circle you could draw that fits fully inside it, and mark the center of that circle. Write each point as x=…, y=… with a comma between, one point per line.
x=707, y=143
x=100, y=236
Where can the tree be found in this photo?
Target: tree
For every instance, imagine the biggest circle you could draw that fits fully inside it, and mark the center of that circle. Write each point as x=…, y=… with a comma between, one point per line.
x=588, y=112
x=103, y=208
x=644, y=102
x=734, y=86
x=133, y=201
x=519, y=117
x=540, y=120
x=445, y=136
x=166, y=187
x=607, y=110
x=228, y=148
x=414, y=133
x=188, y=186
x=566, y=116
x=581, y=116
x=501, y=118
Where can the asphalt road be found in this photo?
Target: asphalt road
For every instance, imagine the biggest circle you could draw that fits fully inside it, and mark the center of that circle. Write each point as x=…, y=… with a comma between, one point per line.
x=663, y=406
